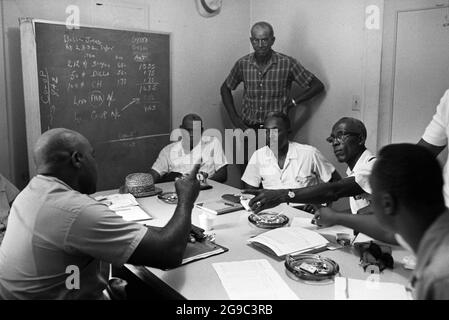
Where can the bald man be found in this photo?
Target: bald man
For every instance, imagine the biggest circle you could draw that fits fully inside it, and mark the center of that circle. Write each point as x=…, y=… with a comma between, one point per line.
x=60, y=242
x=348, y=142
x=177, y=158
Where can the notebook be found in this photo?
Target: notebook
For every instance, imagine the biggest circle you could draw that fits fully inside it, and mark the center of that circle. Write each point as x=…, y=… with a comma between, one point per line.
x=219, y=206
x=126, y=206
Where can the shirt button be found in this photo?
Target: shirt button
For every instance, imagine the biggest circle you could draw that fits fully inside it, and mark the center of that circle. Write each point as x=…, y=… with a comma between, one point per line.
x=260, y=84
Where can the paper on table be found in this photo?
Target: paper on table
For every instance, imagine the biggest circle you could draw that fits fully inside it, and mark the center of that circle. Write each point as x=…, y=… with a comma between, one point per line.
x=353, y=289
x=134, y=213
x=125, y=205
x=307, y=224
x=252, y=280
x=283, y=241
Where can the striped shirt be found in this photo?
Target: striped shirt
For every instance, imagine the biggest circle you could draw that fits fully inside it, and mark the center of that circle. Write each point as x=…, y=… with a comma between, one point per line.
x=267, y=89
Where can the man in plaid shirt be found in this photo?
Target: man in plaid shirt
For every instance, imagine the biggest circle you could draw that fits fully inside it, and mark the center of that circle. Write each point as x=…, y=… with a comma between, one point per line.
x=267, y=76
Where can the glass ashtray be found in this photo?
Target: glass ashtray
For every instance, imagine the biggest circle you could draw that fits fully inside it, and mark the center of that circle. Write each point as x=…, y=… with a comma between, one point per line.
x=268, y=220
x=169, y=197
x=311, y=267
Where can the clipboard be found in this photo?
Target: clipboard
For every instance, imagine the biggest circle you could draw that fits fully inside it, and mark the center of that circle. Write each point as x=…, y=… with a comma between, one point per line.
x=200, y=250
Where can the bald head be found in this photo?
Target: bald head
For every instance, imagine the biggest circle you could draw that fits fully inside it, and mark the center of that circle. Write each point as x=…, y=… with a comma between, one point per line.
x=68, y=156
x=54, y=147
x=264, y=26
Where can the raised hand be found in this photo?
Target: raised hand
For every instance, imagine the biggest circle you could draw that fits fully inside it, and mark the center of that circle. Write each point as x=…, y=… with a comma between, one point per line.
x=188, y=187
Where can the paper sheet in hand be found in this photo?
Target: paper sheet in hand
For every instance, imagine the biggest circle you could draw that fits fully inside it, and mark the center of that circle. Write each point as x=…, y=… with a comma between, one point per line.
x=353, y=289
x=283, y=241
x=252, y=280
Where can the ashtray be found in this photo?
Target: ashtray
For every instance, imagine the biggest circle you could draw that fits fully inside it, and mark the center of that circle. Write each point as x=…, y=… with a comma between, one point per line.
x=268, y=220
x=311, y=267
x=169, y=197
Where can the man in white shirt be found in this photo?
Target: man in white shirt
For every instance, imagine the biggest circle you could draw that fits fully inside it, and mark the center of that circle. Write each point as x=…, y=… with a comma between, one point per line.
x=178, y=158
x=348, y=141
x=8, y=192
x=286, y=164
x=435, y=138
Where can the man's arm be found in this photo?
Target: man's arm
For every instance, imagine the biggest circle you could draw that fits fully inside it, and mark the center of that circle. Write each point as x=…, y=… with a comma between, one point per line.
x=156, y=176
x=364, y=223
x=436, y=150
x=315, y=87
x=228, y=102
x=321, y=193
x=164, y=247
x=221, y=175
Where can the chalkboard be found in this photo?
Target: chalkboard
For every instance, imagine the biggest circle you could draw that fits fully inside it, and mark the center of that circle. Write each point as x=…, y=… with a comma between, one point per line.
x=112, y=86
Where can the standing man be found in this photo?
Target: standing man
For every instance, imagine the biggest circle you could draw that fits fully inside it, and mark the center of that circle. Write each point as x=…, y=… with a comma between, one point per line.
x=267, y=76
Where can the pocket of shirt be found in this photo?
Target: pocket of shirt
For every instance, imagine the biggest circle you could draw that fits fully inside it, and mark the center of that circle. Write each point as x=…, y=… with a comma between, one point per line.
x=306, y=180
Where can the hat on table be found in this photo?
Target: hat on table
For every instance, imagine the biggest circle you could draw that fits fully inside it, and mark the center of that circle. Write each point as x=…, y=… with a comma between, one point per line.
x=141, y=185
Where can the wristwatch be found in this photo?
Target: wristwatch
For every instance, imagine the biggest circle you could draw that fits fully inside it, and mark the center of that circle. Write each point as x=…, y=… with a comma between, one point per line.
x=290, y=194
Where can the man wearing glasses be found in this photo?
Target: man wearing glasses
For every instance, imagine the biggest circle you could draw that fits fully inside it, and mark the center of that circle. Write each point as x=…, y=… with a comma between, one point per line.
x=348, y=141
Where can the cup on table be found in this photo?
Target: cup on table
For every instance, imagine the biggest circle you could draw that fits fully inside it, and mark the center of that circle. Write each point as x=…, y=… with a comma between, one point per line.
x=206, y=221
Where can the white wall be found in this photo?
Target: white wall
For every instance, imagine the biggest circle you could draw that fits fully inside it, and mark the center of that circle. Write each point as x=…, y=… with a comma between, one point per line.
x=329, y=38
x=203, y=52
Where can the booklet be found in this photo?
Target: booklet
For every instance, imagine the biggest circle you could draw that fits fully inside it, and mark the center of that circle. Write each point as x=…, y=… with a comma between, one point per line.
x=126, y=206
x=283, y=241
x=219, y=206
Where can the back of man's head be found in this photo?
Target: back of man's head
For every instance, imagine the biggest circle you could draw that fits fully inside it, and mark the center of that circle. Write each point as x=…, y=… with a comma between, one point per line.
x=412, y=175
x=188, y=120
x=54, y=147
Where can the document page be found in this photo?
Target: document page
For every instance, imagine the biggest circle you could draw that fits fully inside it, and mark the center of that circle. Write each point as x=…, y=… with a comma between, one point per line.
x=126, y=206
x=288, y=240
x=253, y=280
x=353, y=289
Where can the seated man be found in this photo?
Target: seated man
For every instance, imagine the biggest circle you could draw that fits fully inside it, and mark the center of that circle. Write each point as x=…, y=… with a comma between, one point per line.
x=178, y=158
x=8, y=192
x=289, y=165
x=409, y=201
x=348, y=141
x=56, y=231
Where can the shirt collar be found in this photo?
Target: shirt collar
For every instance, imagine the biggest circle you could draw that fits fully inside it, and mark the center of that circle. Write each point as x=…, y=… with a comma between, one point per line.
x=364, y=157
x=53, y=179
x=291, y=154
x=273, y=60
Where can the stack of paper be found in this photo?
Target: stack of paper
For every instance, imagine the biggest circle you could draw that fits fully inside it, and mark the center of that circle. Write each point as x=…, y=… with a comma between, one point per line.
x=252, y=280
x=353, y=289
x=126, y=206
x=283, y=241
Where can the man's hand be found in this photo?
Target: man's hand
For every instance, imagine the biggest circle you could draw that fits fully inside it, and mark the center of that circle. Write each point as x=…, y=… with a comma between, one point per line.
x=188, y=187
x=265, y=199
x=325, y=217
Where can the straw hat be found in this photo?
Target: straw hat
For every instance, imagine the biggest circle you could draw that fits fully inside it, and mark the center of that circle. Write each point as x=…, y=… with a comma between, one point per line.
x=141, y=185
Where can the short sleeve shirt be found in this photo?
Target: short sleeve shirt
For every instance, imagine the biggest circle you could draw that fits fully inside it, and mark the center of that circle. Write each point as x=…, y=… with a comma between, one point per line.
x=437, y=133
x=431, y=275
x=8, y=193
x=53, y=230
x=173, y=157
x=304, y=166
x=267, y=89
x=361, y=172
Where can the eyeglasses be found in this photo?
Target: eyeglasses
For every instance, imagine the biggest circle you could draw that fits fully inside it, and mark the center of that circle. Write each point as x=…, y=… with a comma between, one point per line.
x=261, y=41
x=341, y=136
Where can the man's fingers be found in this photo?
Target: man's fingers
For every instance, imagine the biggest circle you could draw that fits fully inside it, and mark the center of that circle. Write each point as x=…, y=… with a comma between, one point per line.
x=251, y=191
x=193, y=173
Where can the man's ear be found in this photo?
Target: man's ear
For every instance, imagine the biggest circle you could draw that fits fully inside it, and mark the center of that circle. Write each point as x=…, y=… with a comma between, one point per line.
x=389, y=204
x=75, y=159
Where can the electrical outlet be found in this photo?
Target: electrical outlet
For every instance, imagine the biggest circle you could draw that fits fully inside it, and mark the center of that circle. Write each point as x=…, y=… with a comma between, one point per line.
x=356, y=103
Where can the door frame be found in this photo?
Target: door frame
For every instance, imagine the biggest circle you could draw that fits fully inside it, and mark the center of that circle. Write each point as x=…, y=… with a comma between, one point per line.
x=392, y=8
